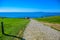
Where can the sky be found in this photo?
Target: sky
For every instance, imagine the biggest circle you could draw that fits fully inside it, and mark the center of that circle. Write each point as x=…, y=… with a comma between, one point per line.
x=29, y=5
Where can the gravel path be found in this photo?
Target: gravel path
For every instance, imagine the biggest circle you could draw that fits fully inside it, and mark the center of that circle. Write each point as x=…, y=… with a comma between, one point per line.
x=37, y=31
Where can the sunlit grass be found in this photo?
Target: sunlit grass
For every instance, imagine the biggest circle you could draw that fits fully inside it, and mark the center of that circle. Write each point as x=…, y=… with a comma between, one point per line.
x=13, y=26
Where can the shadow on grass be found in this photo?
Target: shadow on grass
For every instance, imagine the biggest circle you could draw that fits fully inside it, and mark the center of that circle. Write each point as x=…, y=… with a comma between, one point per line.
x=2, y=26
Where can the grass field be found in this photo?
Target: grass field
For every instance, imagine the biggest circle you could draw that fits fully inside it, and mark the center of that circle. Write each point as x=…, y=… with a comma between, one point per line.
x=13, y=26
x=53, y=21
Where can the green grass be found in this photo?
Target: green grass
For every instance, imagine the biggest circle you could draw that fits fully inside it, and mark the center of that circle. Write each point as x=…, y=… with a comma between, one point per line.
x=52, y=19
x=13, y=26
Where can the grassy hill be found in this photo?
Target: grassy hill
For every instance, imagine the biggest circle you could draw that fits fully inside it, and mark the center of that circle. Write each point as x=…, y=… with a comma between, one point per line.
x=13, y=26
x=52, y=21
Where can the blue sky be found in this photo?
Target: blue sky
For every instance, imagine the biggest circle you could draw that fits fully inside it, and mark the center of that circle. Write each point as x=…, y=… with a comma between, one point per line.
x=29, y=5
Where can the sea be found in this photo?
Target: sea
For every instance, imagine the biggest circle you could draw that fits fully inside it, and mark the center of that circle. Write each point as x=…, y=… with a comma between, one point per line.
x=28, y=14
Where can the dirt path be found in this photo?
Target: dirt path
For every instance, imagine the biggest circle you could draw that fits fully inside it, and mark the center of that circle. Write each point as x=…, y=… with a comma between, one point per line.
x=37, y=31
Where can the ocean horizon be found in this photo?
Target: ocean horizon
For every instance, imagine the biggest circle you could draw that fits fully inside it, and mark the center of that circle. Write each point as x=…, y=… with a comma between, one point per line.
x=27, y=14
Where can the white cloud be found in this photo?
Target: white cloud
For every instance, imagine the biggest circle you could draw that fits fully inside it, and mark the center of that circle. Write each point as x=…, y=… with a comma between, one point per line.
x=18, y=10
x=26, y=10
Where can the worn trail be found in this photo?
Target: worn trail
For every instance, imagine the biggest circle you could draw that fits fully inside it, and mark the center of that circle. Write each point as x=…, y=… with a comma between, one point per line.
x=38, y=31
